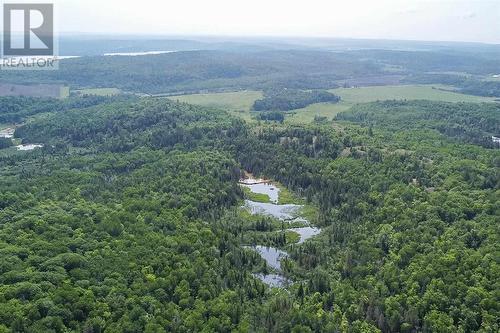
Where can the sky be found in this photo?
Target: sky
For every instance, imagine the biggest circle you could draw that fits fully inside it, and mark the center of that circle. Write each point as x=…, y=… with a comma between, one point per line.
x=431, y=20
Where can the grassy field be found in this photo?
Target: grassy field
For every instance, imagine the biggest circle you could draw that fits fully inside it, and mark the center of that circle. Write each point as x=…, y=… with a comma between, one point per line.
x=236, y=101
x=64, y=92
x=351, y=96
x=240, y=103
x=98, y=91
x=410, y=92
x=257, y=197
x=307, y=114
x=35, y=90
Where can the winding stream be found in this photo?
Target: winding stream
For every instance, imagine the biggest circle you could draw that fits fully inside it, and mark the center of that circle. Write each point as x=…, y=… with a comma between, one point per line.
x=289, y=213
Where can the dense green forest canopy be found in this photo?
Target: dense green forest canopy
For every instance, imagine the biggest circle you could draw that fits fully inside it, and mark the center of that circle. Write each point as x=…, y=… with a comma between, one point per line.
x=202, y=70
x=128, y=220
x=421, y=61
x=469, y=122
x=292, y=99
x=465, y=84
x=17, y=109
x=272, y=116
x=196, y=67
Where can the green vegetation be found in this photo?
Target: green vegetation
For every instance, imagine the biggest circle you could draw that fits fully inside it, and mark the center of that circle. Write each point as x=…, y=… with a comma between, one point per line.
x=242, y=101
x=292, y=99
x=464, y=83
x=288, y=197
x=18, y=109
x=408, y=92
x=257, y=197
x=352, y=96
x=65, y=92
x=473, y=123
x=98, y=91
x=5, y=143
x=128, y=220
x=237, y=101
x=200, y=71
x=292, y=237
x=326, y=111
x=272, y=116
x=35, y=90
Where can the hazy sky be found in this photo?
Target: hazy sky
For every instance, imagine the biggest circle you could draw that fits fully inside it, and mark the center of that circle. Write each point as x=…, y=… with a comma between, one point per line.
x=451, y=20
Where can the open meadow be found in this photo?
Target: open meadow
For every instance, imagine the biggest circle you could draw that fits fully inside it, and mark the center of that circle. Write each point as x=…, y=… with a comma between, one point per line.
x=240, y=103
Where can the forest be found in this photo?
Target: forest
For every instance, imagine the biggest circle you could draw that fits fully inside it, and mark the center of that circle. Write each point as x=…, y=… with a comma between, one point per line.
x=463, y=83
x=193, y=71
x=469, y=122
x=129, y=219
x=193, y=66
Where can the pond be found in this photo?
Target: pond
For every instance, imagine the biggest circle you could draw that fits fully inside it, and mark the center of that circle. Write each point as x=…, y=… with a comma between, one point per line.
x=306, y=233
x=281, y=212
x=273, y=280
x=289, y=212
x=271, y=255
x=264, y=188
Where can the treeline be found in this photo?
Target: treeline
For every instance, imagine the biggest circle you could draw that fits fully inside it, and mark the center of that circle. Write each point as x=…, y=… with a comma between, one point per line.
x=272, y=116
x=474, y=61
x=203, y=70
x=263, y=69
x=468, y=122
x=291, y=99
x=464, y=84
x=17, y=109
x=5, y=143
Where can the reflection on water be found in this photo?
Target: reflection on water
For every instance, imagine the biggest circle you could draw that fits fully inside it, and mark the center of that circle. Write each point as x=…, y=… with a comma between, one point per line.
x=271, y=255
x=273, y=280
x=281, y=212
x=306, y=233
x=264, y=188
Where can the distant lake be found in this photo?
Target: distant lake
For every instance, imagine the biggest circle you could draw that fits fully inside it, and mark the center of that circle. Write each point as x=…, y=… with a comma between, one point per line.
x=135, y=54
